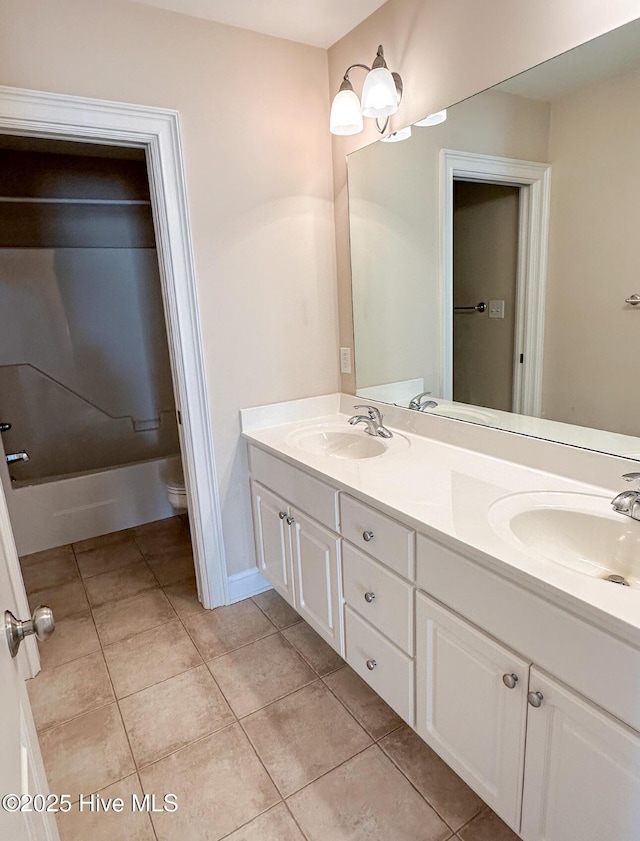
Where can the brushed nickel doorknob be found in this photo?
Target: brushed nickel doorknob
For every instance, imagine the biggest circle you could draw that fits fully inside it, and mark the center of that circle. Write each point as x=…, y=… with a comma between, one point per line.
x=282, y=514
x=535, y=699
x=42, y=624
x=367, y=536
x=510, y=681
x=371, y=664
x=369, y=597
x=290, y=520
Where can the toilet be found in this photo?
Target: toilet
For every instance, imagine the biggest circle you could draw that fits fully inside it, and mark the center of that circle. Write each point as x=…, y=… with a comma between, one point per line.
x=174, y=483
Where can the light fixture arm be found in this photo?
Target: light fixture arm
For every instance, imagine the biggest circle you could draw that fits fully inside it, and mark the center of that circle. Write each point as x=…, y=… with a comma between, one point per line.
x=377, y=62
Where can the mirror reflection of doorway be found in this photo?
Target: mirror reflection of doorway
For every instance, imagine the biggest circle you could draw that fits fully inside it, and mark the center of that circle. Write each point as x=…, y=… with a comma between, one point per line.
x=486, y=220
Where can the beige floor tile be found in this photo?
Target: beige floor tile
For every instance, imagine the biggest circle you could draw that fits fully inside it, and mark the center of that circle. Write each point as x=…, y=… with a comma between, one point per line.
x=64, y=600
x=110, y=825
x=320, y=656
x=119, y=620
x=224, y=629
x=363, y=703
x=366, y=799
x=165, y=524
x=487, y=827
x=275, y=825
x=87, y=754
x=303, y=736
x=259, y=673
x=184, y=598
x=55, y=554
x=148, y=658
x=50, y=573
x=67, y=691
x=74, y=637
x=169, y=715
x=119, y=584
x=439, y=785
x=173, y=565
x=164, y=538
x=107, y=558
x=122, y=536
x=276, y=608
x=220, y=785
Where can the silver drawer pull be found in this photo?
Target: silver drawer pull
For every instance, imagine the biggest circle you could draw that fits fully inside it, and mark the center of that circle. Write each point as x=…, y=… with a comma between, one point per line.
x=535, y=699
x=510, y=681
x=290, y=520
x=282, y=514
x=371, y=664
x=367, y=536
x=369, y=597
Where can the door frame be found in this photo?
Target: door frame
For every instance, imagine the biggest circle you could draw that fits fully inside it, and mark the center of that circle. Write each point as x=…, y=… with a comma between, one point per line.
x=534, y=180
x=157, y=131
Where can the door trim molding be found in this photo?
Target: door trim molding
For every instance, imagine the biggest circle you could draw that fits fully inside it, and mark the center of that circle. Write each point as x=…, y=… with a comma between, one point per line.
x=535, y=179
x=157, y=131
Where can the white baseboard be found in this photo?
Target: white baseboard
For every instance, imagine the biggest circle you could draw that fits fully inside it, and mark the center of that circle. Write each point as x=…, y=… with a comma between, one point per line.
x=242, y=585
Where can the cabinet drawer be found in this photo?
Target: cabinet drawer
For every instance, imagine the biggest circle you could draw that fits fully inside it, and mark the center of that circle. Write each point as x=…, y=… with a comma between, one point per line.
x=392, y=675
x=388, y=605
x=379, y=535
x=316, y=499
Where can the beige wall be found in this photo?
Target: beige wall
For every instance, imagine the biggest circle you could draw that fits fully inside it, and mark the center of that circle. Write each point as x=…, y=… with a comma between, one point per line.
x=447, y=50
x=254, y=115
x=591, y=336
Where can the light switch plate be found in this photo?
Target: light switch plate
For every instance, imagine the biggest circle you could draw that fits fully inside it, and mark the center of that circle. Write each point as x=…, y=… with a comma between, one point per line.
x=345, y=360
x=496, y=309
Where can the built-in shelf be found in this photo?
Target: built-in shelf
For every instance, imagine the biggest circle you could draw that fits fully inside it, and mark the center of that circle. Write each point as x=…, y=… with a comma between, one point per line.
x=34, y=200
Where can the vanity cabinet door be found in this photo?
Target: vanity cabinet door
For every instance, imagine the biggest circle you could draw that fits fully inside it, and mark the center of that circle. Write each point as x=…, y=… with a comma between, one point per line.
x=317, y=576
x=472, y=705
x=582, y=770
x=272, y=537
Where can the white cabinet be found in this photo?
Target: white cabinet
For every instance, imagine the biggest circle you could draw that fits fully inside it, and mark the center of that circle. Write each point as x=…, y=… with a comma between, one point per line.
x=301, y=560
x=582, y=770
x=466, y=711
x=317, y=577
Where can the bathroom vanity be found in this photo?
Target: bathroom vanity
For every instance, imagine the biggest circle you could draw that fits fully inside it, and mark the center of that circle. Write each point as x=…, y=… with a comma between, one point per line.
x=467, y=590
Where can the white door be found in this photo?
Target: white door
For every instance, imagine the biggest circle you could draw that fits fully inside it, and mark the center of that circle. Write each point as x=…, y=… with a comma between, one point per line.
x=21, y=769
x=316, y=564
x=272, y=536
x=472, y=705
x=582, y=770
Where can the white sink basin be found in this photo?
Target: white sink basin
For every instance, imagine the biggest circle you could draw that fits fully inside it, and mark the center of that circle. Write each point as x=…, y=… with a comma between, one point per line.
x=343, y=443
x=578, y=531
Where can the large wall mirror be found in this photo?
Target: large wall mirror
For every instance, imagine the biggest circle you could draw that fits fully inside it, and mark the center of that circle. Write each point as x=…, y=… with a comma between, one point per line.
x=496, y=255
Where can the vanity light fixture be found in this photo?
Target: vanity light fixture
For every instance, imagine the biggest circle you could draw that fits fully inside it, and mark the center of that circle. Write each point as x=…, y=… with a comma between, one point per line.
x=381, y=95
x=433, y=119
x=395, y=136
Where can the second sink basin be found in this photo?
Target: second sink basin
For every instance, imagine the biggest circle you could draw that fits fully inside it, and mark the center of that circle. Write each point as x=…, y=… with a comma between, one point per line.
x=343, y=443
x=578, y=531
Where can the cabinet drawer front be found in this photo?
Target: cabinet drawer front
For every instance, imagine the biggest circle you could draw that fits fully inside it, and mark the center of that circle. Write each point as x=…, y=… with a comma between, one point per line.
x=378, y=535
x=392, y=676
x=379, y=596
x=318, y=500
x=466, y=711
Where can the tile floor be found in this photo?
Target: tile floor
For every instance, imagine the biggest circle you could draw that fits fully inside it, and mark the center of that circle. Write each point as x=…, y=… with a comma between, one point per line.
x=258, y=727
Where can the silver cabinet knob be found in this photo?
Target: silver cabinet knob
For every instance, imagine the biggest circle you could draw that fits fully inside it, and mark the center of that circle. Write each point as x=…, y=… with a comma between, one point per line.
x=282, y=514
x=4, y=427
x=535, y=699
x=510, y=681
x=41, y=624
x=371, y=664
x=290, y=520
x=367, y=536
x=369, y=597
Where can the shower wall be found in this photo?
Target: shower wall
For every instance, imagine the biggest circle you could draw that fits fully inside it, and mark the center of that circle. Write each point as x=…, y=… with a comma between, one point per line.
x=84, y=366
x=85, y=377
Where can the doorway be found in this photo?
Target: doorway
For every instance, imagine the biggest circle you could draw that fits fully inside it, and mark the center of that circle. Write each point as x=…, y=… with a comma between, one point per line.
x=157, y=133
x=485, y=276
x=531, y=181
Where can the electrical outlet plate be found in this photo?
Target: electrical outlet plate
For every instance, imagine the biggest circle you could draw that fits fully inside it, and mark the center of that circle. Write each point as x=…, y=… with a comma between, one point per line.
x=345, y=360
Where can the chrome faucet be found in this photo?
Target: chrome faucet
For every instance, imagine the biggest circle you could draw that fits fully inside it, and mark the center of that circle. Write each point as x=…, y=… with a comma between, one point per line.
x=421, y=405
x=628, y=502
x=373, y=420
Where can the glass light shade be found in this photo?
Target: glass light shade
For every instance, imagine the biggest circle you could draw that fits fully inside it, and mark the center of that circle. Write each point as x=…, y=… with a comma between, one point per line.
x=396, y=136
x=346, y=115
x=379, y=94
x=433, y=119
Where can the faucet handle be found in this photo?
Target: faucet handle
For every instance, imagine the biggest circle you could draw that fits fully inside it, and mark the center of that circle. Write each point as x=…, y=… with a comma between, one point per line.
x=372, y=411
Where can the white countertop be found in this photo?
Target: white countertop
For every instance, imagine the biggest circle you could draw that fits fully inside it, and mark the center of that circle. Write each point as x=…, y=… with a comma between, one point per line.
x=446, y=491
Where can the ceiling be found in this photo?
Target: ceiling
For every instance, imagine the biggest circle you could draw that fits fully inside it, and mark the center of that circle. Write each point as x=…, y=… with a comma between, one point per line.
x=317, y=22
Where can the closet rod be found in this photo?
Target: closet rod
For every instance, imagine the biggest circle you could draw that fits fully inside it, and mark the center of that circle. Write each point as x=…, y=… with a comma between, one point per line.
x=28, y=200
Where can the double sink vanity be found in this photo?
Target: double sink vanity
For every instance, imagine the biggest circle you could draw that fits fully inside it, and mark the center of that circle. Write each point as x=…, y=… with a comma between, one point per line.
x=471, y=593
